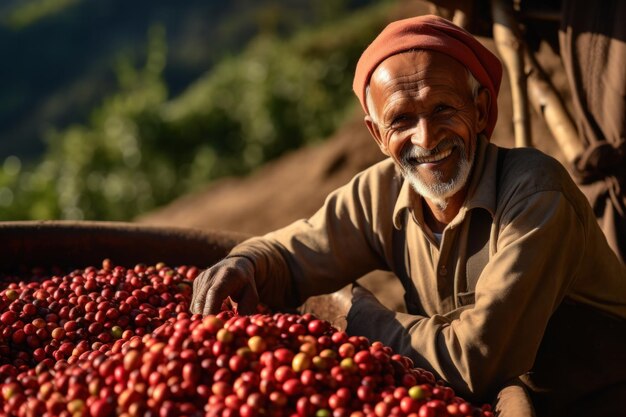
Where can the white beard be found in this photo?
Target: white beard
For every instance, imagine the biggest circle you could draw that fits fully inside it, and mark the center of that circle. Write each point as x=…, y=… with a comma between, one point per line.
x=439, y=192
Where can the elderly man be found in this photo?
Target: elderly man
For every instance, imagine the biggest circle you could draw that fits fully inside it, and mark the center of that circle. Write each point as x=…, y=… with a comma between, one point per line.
x=500, y=255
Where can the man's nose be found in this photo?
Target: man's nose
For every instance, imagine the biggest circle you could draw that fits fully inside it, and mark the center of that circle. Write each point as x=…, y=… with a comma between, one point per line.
x=424, y=134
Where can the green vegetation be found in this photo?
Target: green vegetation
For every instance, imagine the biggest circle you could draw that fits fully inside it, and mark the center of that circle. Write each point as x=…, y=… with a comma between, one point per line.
x=33, y=11
x=59, y=55
x=140, y=149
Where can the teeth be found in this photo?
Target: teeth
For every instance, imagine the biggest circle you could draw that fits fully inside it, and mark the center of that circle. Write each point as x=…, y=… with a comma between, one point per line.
x=434, y=158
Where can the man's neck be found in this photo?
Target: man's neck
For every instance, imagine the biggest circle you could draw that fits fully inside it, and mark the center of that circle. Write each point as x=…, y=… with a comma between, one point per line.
x=438, y=216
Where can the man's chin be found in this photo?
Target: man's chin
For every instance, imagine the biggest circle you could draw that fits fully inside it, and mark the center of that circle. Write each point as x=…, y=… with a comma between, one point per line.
x=436, y=191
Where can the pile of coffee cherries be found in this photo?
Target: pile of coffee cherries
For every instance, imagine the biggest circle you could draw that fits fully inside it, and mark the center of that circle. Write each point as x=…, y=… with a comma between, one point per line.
x=114, y=341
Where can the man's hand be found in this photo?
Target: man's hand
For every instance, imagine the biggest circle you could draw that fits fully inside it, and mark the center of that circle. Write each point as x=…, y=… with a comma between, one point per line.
x=232, y=277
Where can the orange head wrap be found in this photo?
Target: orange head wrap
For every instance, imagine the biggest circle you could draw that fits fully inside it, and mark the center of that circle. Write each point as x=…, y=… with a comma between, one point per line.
x=436, y=34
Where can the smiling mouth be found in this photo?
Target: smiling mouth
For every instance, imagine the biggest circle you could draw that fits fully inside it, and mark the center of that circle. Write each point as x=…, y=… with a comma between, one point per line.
x=433, y=159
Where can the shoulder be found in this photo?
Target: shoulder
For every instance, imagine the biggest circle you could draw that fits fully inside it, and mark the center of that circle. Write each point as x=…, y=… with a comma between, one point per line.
x=526, y=171
x=529, y=176
x=373, y=191
x=531, y=167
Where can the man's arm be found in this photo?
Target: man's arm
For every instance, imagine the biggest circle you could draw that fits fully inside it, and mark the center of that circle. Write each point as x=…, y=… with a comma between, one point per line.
x=337, y=245
x=480, y=348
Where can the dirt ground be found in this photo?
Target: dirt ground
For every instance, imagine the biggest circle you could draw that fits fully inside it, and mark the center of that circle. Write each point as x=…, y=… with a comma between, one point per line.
x=296, y=185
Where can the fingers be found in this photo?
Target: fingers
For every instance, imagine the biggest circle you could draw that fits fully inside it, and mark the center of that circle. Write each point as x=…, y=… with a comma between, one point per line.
x=214, y=299
x=232, y=277
x=222, y=283
x=210, y=289
x=249, y=300
x=198, y=296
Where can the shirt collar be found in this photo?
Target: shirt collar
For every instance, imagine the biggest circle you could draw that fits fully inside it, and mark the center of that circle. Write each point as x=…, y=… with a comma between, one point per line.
x=481, y=192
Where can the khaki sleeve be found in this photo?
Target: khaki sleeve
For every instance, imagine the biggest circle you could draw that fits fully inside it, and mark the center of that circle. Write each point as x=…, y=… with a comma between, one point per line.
x=334, y=247
x=537, y=256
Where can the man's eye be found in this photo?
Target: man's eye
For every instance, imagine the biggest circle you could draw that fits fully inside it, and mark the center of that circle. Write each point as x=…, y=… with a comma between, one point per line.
x=400, y=120
x=441, y=108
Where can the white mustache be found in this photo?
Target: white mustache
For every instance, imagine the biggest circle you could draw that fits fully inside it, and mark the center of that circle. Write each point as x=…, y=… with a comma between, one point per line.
x=416, y=154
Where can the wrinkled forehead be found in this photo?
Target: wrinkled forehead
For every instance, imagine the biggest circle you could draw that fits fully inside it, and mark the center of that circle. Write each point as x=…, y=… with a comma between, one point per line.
x=407, y=68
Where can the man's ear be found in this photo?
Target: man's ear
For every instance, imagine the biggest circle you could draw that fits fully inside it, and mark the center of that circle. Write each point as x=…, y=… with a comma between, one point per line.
x=483, y=105
x=372, y=126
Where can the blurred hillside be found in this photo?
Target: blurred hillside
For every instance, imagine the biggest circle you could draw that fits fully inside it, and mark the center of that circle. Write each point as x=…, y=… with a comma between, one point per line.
x=59, y=56
x=129, y=114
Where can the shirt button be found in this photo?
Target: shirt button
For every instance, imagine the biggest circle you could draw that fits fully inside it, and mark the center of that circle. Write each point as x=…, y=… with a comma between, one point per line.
x=443, y=271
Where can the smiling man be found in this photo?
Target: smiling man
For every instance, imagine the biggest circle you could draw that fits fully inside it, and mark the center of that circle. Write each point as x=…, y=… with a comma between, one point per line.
x=431, y=112
x=505, y=270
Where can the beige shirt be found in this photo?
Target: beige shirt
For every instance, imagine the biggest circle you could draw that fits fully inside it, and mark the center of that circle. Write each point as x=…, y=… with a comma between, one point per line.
x=544, y=246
